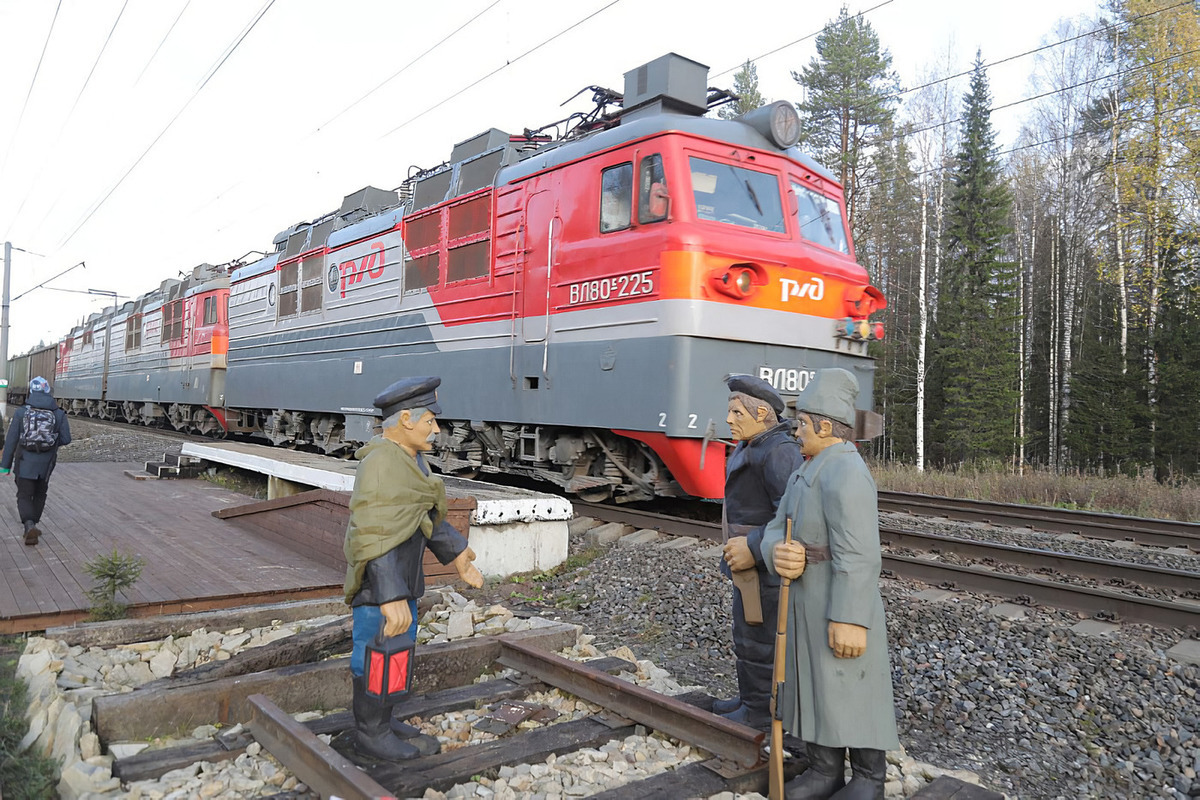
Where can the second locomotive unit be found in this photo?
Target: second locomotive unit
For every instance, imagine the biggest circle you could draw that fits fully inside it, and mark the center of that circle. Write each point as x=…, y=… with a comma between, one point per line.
x=583, y=300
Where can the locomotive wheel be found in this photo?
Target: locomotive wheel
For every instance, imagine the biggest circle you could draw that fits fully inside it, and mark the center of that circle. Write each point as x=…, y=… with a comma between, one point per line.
x=596, y=495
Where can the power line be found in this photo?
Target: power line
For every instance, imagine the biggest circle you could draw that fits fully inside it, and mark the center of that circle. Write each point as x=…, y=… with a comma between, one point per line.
x=95, y=64
x=397, y=73
x=498, y=69
x=1116, y=74
x=25, y=105
x=804, y=38
x=315, y=131
x=1093, y=32
x=162, y=42
x=1086, y=34
x=71, y=113
x=1018, y=148
x=212, y=72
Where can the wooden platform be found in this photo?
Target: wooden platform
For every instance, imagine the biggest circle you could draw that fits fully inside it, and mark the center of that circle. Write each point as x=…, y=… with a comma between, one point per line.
x=313, y=523
x=194, y=561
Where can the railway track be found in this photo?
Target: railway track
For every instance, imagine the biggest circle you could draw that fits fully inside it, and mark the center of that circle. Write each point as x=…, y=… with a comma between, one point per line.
x=1095, y=601
x=1089, y=524
x=446, y=674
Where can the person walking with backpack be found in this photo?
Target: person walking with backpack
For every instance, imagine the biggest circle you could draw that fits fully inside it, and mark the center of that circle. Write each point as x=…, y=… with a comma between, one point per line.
x=35, y=433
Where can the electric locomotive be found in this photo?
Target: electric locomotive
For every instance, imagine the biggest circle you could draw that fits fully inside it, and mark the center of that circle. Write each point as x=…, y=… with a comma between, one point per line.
x=582, y=299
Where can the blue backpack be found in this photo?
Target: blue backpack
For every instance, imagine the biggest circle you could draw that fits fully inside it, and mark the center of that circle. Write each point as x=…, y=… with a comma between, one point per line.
x=39, y=430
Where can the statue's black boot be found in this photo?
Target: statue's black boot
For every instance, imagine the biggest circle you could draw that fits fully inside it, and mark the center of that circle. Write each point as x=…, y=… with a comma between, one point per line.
x=869, y=768
x=727, y=705
x=751, y=716
x=826, y=774
x=754, y=687
x=372, y=733
x=426, y=745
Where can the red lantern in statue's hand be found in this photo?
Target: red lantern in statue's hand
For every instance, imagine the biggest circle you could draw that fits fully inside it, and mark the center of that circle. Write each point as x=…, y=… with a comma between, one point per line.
x=389, y=667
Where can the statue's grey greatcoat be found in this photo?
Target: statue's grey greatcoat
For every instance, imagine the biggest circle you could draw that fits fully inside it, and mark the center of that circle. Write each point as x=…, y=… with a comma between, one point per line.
x=835, y=702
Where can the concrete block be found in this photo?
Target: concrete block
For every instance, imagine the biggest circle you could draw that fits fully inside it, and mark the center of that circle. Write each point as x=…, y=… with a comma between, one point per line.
x=1095, y=627
x=1187, y=652
x=582, y=525
x=644, y=536
x=933, y=595
x=606, y=534
x=1008, y=611
x=679, y=542
x=513, y=547
x=714, y=551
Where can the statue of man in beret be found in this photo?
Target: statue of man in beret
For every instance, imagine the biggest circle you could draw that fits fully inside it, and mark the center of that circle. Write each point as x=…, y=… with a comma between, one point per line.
x=838, y=688
x=397, y=510
x=756, y=474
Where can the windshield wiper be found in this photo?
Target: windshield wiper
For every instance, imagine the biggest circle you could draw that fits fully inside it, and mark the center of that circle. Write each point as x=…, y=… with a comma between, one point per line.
x=753, y=196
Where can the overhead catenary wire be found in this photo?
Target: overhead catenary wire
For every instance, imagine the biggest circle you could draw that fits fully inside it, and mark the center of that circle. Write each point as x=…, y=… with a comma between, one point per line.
x=500, y=68
x=28, y=94
x=1116, y=25
x=1018, y=148
x=161, y=42
x=441, y=42
x=400, y=71
x=229, y=51
x=795, y=42
x=70, y=114
x=1107, y=76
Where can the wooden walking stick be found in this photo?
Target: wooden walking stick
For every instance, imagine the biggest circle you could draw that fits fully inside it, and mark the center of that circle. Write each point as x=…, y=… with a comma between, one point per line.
x=775, y=770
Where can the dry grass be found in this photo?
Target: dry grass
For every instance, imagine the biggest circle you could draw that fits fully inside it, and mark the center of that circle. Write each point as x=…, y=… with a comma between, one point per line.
x=1140, y=496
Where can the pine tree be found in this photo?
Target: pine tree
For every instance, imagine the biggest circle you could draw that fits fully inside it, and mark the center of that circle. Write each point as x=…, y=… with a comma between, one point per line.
x=745, y=86
x=975, y=366
x=848, y=96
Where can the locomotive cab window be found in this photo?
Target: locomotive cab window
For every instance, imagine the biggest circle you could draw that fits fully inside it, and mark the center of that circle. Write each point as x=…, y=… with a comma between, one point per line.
x=820, y=219
x=616, y=198
x=653, y=200
x=210, y=311
x=736, y=196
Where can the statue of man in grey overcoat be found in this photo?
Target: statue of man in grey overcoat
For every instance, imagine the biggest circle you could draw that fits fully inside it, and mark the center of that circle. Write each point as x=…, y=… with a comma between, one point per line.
x=838, y=688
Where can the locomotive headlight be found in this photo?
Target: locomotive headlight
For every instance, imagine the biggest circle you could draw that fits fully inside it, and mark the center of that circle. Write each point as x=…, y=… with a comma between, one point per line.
x=738, y=281
x=743, y=282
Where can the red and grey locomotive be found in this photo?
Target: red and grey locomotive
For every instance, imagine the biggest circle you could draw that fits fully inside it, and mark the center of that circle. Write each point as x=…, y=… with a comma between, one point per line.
x=582, y=299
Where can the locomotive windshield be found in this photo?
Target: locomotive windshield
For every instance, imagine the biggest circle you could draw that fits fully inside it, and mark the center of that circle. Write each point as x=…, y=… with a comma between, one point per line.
x=820, y=219
x=736, y=196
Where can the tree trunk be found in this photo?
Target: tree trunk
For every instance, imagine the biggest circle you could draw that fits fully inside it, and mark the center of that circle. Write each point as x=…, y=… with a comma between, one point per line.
x=923, y=332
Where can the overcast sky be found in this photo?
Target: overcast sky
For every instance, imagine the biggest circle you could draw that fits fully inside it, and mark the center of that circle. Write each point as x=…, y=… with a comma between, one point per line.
x=160, y=134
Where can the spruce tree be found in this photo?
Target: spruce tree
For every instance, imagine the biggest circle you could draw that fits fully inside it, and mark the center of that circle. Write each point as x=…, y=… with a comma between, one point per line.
x=849, y=90
x=975, y=337
x=745, y=86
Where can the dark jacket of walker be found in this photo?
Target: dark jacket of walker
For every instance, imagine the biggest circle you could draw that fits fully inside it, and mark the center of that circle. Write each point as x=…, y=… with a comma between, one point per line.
x=26, y=463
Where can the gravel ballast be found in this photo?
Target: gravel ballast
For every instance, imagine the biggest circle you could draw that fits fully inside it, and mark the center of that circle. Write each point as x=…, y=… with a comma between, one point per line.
x=1036, y=708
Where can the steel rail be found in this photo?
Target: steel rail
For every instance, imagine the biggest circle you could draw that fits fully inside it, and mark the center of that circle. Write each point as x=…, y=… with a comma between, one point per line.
x=1099, y=568
x=1078, y=598
x=675, y=526
x=324, y=769
x=724, y=739
x=1114, y=527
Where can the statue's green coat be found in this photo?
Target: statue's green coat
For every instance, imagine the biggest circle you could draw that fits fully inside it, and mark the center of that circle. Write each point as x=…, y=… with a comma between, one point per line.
x=392, y=500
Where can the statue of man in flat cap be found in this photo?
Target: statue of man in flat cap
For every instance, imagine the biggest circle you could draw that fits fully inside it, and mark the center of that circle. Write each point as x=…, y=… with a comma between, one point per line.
x=756, y=474
x=397, y=509
x=838, y=689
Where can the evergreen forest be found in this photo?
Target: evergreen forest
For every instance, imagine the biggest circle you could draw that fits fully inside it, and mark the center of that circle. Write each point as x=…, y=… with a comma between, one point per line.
x=1042, y=294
